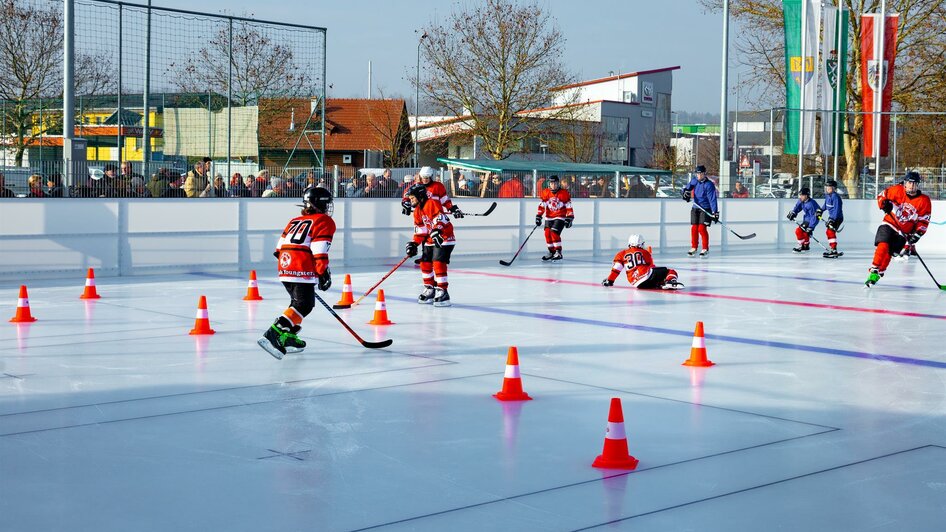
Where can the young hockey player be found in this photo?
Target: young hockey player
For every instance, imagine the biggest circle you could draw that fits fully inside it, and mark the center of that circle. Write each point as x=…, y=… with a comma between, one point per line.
x=556, y=207
x=703, y=193
x=435, y=191
x=302, y=252
x=641, y=272
x=433, y=230
x=810, y=209
x=906, y=217
x=832, y=206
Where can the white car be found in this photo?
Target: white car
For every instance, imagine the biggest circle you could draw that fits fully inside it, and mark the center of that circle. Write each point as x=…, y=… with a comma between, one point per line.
x=667, y=192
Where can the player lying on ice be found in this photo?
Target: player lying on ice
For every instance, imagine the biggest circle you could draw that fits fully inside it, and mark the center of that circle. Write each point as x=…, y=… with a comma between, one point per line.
x=641, y=272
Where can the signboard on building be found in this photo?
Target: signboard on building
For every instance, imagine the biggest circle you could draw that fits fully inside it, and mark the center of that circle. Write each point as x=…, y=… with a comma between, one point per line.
x=647, y=92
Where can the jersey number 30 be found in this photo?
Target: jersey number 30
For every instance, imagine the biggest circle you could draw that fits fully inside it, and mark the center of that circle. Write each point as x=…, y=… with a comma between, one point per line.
x=633, y=260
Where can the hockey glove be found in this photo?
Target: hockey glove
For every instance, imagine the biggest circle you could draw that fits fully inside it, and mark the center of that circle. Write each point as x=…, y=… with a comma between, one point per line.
x=806, y=229
x=436, y=237
x=887, y=206
x=791, y=216
x=276, y=254
x=818, y=213
x=411, y=248
x=406, y=207
x=715, y=217
x=456, y=212
x=913, y=238
x=568, y=221
x=325, y=280
x=538, y=219
x=832, y=224
x=607, y=282
x=686, y=196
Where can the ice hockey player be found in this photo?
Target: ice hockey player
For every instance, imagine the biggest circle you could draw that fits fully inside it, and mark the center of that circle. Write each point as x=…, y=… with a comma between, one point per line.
x=435, y=191
x=703, y=193
x=302, y=253
x=641, y=272
x=831, y=206
x=433, y=231
x=809, y=209
x=556, y=207
x=906, y=217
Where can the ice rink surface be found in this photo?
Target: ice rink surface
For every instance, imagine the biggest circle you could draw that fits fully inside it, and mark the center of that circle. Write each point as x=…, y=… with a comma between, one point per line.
x=825, y=410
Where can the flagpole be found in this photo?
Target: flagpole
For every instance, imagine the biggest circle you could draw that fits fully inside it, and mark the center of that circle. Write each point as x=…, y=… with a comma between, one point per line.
x=839, y=113
x=723, y=103
x=879, y=93
x=801, y=84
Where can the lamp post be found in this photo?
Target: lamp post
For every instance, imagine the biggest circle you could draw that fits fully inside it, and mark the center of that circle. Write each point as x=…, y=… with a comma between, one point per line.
x=544, y=147
x=417, y=102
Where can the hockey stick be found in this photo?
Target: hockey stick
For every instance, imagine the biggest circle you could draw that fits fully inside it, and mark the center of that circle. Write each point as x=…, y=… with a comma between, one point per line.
x=489, y=210
x=396, y=266
x=917, y=255
x=504, y=263
x=369, y=345
x=741, y=237
x=811, y=236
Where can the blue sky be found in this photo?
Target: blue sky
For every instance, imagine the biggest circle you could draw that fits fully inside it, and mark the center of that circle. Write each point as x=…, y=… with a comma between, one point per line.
x=601, y=36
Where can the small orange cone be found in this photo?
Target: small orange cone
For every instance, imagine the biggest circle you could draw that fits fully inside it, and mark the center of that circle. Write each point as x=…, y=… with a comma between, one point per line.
x=615, y=454
x=698, y=350
x=89, y=292
x=347, y=300
x=380, y=312
x=252, y=289
x=202, y=323
x=650, y=250
x=512, y=381
x=23, y=308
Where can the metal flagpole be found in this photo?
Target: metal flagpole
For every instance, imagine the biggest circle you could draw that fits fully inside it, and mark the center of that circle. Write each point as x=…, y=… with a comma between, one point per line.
x=801, y=83
x=723, y=103
x=839, y=113
x=879, y=93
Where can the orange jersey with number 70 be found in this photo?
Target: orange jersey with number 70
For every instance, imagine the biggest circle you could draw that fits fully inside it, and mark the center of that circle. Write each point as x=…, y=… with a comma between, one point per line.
x=302, y=250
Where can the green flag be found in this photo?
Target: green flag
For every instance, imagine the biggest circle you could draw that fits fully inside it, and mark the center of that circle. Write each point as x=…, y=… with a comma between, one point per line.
x=801, y=74
x=834, y=82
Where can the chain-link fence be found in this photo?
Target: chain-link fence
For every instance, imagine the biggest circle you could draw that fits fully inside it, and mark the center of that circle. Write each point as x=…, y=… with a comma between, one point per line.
x=159, y=93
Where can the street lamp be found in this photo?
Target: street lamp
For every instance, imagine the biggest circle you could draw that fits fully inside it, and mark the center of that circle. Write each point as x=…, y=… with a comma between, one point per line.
x=417, y=102
x=544, y=147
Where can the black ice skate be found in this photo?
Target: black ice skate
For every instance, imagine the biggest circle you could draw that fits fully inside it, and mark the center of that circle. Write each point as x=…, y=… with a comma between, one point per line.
x=803, y=248
x=691, y=252
x=832, y=254
x=549, y=255
x=442, y=299
x=557, y=255
x=427, y=296
x=273, y=341
x=672, y=284
x=293, y=343
x=704, y=253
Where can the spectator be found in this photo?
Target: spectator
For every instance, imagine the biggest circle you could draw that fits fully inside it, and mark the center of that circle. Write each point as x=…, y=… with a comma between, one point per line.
x=373, y=188
x=219, y=189
x=128, y=173
x=54, y=186
x=512, y=188
x=159, y=184
x=111, y=186
x=237, y=188
x=740, y=191
x=492, y=185
x=4, y=191
x=637, y=189
x=355, y=188
x=463, y=187
x=292, y=188
x=138, y=189
x=601, y=188
x=388, y=184
x=277, y=188
x=35, y=183
x=176, y=186
x=409, y=180
x=260, y=184
x=197, y=179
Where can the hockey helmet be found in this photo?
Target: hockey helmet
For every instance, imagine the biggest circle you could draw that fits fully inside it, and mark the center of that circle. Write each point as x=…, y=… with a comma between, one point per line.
x=419, y=191
x=318, y=199
x=912, y=176
x=805, y=191
x=427, y=172
x=553, y=179
x=635, y=241
x=831, y=183
x=701, y=169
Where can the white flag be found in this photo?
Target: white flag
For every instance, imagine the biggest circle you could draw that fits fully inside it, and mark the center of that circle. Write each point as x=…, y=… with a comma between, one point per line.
x=810, y=78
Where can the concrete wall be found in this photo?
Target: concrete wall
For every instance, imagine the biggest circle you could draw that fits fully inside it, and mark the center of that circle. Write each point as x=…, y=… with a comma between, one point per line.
x=64, y=237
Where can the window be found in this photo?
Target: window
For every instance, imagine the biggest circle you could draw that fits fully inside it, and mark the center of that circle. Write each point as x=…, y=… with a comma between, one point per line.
x=629, y=97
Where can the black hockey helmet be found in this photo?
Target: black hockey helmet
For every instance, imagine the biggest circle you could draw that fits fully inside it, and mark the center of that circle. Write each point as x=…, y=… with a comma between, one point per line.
x=553, y=179
x=419, y=191
x=831, y=183
x=912, y=176
x=318, y=199
x=805, y=191
x=701, y=169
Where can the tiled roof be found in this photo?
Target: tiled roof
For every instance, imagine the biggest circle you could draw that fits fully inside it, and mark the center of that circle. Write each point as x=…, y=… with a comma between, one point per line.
x=352, y=124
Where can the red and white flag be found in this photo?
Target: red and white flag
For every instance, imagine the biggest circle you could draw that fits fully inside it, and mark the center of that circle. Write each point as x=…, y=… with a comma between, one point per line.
x=872, y=81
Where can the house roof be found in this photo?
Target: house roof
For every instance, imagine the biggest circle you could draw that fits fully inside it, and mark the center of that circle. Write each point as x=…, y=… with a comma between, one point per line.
x=613, y=78
x=352, y=124
x=490, y=165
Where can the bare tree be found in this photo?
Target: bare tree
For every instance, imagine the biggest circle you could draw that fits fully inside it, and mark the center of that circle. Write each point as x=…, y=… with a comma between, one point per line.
x=390, y=129
x=492, y=62
x=919, y=76
x=578, y=141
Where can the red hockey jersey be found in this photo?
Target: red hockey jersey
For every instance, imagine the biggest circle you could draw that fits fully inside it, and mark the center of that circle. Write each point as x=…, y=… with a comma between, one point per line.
x=909, y=215
x=437, y=192
x=637, y=261
x=303, y=248
x=556, y=205
x=428, y=217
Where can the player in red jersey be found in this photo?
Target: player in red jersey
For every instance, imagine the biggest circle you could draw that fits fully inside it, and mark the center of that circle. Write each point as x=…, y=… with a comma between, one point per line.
x=302, y=252
x=641, y=272
x=556, y=207
x=907, y=216
x=435, y=191
x=432, y=230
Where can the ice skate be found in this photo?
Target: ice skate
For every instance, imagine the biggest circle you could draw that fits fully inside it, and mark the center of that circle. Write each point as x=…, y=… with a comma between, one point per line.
x=293, y=343
x=549, y=255
x=872, y=278
x=832, y=254
x=704, y=253
x=427, y=296
x=672, y=284
x=692, y=252
x=803, y=248
x=442, y=299
x=273, y=342
x=903, y=257
x=557, y=256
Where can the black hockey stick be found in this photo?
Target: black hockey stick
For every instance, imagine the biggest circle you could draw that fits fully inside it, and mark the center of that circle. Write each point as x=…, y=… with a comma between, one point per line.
x=811, y=236
x=504, y=263
x=369, y=345
x=488, y=211
x=396, y=266
x=941, y=287
x=741, y=237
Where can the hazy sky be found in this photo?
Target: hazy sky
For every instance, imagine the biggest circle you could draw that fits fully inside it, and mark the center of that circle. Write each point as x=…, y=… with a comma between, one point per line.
x=601, y=36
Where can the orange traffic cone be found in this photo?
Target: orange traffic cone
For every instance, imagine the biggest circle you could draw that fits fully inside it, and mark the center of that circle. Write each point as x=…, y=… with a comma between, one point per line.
x=252, y=289
x=23, y=308
x=202, y=323
x=89, y=292
x=650, y=250
x=698, y=350
x=615, y=454
x=512, y=381
x=380, y=312
x=347, y=300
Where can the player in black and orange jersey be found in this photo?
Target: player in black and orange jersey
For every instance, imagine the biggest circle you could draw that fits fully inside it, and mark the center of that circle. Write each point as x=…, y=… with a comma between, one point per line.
x=302, y=252
x=906, y=219
x=556, y=207
x=640, y=269
x=432, y=230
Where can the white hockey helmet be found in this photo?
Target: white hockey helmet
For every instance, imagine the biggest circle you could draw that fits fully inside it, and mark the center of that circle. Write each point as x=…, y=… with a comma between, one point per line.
x=426, y=172
x=635, y=241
